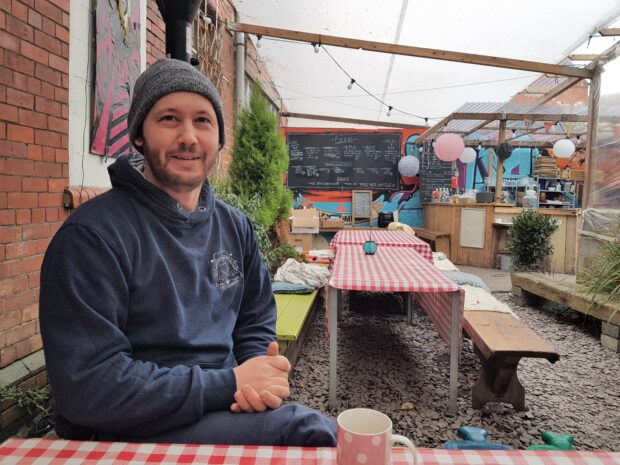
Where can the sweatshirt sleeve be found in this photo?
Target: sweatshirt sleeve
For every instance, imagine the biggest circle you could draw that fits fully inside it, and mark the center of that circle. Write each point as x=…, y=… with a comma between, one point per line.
x=95, y=381
x=256, y=323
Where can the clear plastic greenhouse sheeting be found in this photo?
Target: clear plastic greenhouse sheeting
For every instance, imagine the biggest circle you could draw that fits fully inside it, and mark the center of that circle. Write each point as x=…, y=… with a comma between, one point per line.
x=605, y=188
x=601, y=223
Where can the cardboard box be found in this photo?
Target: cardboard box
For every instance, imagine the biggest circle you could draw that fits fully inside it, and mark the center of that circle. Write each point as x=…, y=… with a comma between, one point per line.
x=332, y=222
x=305, y=220
x=301, y=242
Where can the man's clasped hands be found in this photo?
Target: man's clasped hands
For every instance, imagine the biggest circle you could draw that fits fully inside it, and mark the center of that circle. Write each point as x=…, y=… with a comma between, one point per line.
x=262, y=382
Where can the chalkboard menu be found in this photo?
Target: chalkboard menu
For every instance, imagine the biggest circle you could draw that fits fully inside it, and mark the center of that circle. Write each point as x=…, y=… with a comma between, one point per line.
x=344, y=160
x=434, y=173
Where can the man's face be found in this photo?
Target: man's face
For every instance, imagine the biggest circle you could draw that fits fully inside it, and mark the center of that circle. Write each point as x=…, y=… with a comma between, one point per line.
x=180, y=140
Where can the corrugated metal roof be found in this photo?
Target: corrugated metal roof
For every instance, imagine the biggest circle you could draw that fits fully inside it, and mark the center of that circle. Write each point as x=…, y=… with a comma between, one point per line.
x=523, y=129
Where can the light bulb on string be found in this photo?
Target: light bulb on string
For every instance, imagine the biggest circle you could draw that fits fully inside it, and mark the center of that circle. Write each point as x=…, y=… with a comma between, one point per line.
x=389, y=112
x=317, y=47
x=350, y=86
x=258, y=41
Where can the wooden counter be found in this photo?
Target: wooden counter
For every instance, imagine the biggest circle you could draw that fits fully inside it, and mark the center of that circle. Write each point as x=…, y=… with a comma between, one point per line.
x=476, y=242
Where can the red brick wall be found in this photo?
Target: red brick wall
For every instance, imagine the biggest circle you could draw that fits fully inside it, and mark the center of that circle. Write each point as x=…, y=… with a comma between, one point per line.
x=34, y=65
x=34, y=81
x=155, y=33
x=227, y=13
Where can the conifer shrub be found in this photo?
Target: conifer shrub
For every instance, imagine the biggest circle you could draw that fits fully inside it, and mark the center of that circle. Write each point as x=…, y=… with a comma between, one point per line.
x=260, y=159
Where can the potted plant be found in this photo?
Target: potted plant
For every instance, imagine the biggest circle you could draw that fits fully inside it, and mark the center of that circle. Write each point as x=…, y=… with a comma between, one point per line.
x=529, y=240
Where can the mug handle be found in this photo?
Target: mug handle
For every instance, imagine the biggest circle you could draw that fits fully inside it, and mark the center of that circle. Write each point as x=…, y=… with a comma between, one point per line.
x=398, y=439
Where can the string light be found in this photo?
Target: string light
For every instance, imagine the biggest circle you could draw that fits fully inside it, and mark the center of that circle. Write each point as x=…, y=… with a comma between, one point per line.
x=258, y=41
x=350, y=86
x=389, y=112
x=317, y=49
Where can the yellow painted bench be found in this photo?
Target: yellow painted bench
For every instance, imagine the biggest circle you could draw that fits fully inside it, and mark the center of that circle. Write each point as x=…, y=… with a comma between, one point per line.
x=294, y=311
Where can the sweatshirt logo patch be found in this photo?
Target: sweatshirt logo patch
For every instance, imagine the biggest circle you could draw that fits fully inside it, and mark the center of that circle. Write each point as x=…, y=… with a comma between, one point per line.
x=225, y=270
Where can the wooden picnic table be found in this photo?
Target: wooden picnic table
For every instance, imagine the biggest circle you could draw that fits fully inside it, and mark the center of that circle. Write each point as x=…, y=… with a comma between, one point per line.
x=397, y=269
x=383, y=238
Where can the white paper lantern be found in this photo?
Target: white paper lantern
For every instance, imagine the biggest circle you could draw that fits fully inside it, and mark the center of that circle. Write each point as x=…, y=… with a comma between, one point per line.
x=563, y=148
x=468, y=155
x=409, y=166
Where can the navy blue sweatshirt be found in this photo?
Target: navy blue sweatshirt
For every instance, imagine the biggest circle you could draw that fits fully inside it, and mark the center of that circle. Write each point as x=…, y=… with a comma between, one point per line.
x=146, y=308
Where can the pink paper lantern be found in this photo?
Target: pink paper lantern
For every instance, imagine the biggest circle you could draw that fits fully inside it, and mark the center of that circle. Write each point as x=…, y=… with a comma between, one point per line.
x=449, y=147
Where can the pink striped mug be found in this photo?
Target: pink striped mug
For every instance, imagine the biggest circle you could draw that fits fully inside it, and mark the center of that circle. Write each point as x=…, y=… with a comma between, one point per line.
x=365, y=438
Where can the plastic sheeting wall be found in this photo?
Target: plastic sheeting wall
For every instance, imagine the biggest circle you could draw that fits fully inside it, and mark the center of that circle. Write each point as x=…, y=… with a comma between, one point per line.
x=605, y=188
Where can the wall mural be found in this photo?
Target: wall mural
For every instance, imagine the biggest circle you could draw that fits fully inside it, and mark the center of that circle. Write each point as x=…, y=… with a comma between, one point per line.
x=118, y=26
x=405, y=200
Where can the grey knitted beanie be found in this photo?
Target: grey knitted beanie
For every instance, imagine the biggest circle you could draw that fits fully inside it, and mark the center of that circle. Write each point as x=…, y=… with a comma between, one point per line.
x=164, y=77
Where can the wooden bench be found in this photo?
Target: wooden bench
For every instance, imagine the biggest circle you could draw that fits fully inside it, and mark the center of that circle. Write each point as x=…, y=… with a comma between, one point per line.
x=500, y=341
x=439, y=240
x=294, y=316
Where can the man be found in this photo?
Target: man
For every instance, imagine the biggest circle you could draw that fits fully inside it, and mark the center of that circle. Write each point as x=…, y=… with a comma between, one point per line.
x=157, y=314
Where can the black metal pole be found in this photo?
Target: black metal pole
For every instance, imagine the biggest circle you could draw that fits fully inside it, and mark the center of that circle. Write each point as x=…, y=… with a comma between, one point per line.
x=178, y=16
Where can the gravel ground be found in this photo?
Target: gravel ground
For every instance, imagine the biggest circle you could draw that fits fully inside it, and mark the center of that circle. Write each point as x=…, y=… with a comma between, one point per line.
x=383, y=364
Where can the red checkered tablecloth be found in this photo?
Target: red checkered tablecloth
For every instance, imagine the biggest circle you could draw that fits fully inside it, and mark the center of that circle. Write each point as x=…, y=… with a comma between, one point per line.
x=382, y=237
x=59, y=452
x=390, y=269
x=399, y=269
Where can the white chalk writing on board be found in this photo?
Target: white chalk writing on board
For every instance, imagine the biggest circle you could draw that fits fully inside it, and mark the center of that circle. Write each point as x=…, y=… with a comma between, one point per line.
x=344, y=160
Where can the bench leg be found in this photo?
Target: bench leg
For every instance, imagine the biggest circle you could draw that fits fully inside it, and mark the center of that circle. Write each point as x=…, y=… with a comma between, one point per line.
x=498, y=382
x=442, y=244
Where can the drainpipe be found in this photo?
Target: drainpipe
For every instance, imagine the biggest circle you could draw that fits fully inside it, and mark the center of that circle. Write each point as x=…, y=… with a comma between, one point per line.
x=239, y=69
x=178, y=16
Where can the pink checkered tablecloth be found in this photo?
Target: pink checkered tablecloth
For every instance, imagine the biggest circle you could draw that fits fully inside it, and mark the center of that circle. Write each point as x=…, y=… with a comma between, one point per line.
x=399, y=269
x=382, y=237
x=390, y=269
x=59, y=452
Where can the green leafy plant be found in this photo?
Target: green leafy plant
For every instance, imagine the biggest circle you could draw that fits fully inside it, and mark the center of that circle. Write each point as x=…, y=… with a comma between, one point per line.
x=249, y=206
x=529, y=241
x=37, y=403
x=34, y=400
x=260, y=158
x=602, y=279
x=278, y=255
x=273, y=257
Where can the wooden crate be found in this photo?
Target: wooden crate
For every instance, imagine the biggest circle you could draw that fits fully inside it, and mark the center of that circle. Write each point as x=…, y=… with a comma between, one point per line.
x=577, y=175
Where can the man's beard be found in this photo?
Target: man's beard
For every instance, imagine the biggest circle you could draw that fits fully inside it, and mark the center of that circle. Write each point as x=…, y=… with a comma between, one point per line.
x=166, y=178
